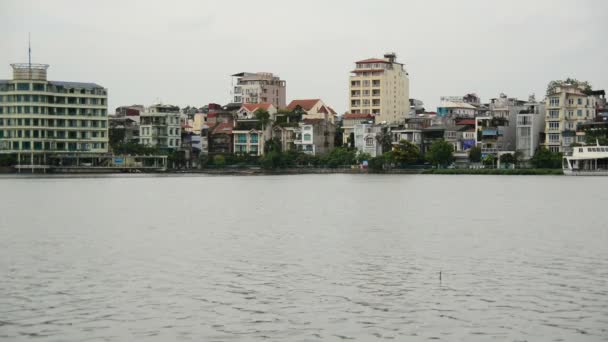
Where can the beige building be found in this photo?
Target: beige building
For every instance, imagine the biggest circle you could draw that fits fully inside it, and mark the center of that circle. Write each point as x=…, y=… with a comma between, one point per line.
x=160, y=126
x=380, y=87
x=41, y=119
x=567, y=106
x=260, y=87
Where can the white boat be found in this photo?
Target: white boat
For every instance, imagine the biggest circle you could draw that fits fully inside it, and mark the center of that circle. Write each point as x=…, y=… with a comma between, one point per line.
x=587, y=161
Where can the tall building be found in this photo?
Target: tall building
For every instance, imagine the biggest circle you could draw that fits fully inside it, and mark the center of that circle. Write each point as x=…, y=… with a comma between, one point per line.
x=260, y=87
x=160, y=126
x=40, y=118
x=530, y=124
x=568, y=105
x=380, y=87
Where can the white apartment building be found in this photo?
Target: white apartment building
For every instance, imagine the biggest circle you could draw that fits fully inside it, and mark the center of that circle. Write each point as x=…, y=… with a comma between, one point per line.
x=365, y=139
x=380, y=87
x=530, y=123
x=160, y=126
x=260, y=87
x=40, y=118
x=567, y=106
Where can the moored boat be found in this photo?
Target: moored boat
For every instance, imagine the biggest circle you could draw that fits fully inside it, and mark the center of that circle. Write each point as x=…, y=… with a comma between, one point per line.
x=587, y=161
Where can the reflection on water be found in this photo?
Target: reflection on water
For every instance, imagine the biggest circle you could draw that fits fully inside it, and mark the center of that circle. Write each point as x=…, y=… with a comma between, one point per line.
x=304, y=258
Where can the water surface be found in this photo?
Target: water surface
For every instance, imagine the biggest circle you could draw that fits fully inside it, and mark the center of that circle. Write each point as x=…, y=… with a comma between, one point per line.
x=304, y=258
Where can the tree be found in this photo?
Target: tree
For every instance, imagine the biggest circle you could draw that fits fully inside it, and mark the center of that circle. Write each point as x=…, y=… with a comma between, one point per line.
x=475, y=154
x=406, y=152
x=441, y=153
x=362, y=156
x=219, y=160
x=489, y=160
x=384, y=139
x=518, y=157
x=507, y=159
x=377, y=163
x=339, y=157
x=573, y=81
x=597, y=135
x=263, y=117
x=545, y=159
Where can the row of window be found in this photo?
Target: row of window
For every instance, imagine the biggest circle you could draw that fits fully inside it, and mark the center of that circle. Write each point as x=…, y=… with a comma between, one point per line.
x=50, y=88
x=49, y=134
x=253, y=149
x=554, y=113
x=366, y=83
x=170, y=142
x=52, y=110
x=51, y=146
x=170, y=130
x=365, y=92
x=53, y=123
x=242, y=138
x=53, y=99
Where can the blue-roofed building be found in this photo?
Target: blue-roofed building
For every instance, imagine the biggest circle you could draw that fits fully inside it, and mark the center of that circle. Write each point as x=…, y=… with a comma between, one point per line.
x=43, y=121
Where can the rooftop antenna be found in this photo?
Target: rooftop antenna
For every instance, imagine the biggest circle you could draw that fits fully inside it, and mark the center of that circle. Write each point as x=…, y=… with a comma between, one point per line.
x=29, y=48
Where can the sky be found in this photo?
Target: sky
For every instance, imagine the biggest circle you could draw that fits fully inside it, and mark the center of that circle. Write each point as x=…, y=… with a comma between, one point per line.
x=183, y=52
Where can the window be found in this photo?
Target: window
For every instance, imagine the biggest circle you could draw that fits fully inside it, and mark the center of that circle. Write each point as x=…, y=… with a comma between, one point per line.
x=570, y=101
x=369, y=141
x=579, y=112
x=553, y=114
x=241, y=139
x=38, y=87
x=554, y=101
x=254, y=138
x=307, y=137
x=366, y=83
x=554, y=125
x=23, y=86
x=570, y=113
x=553, y=138
x=580, y=101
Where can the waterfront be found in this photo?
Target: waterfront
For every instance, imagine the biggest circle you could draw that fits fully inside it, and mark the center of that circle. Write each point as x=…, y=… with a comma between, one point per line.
x=304, y=258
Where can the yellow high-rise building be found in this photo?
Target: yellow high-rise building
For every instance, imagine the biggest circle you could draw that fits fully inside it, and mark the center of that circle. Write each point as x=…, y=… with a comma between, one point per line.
x=380, y=87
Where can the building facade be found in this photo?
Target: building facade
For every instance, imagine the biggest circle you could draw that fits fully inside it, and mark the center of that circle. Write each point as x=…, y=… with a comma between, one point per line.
x=530, y=125
x=260, y=87
x=380, y=87
x=365, y=139
x=315, y=136
x=41, y=118
x=160, y=126
x=567, y=106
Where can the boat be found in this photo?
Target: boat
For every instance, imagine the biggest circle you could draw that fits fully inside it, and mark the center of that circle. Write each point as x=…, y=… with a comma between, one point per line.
x=587, y=161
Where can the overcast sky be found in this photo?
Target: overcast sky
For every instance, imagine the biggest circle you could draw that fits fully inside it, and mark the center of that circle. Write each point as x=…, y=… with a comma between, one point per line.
x=183, y=52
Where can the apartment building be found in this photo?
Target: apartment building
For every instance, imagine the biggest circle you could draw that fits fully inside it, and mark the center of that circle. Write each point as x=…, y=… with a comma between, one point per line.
x=530, y=125
x=160, y=126
x=380, y=86
x=567, y=106
x=41, y=118
x=259, y=87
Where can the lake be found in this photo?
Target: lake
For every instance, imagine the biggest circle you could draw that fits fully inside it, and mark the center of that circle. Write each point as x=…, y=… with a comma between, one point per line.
x=304, y=258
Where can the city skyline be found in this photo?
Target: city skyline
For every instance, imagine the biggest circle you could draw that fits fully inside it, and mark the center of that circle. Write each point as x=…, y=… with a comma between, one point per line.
x=185, y=54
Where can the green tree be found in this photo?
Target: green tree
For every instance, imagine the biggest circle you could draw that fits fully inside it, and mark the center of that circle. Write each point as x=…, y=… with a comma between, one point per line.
x=597, y=135
x=263, y=117
x=219, y=160
x=581, y=84
x=475, y=154
x=384, y=139
x=507, y=159
x=545, y=159
x=406, y=152
x=441, y=153
x=377, y=163
x=489, y=160
x=339, y=157
x=362, y=156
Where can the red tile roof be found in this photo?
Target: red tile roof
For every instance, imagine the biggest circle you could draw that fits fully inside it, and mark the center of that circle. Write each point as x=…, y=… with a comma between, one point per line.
x=357, y=116
x=305, y=104
x=252, y=107
x=465, y=122
x=223, y=128
x=373, y=60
